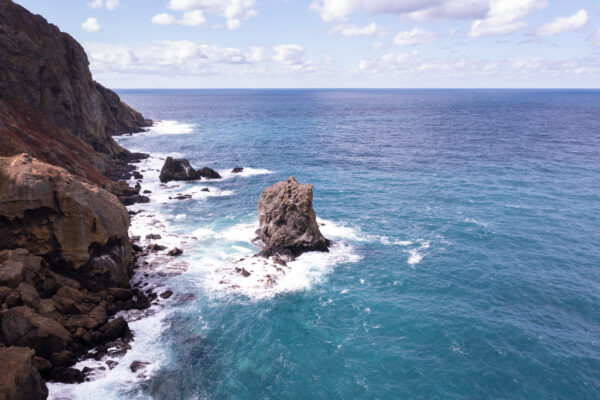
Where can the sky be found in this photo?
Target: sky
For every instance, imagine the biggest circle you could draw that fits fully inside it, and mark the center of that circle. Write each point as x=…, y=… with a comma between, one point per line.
x=334, y=43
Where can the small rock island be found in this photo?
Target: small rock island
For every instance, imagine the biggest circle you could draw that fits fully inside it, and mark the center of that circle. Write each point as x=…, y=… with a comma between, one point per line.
x=288, y=224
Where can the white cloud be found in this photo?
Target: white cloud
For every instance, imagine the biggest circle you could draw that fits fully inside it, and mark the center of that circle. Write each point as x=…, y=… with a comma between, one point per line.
x=564, y=24
x=109, y=4
x=416, y=36
x=234, y=11
x=189, y=18
x=163, y=19
x=505, y=16
x=352, y=30
x=451, y=9
x=378, y=46
x=190, y=58
x=335, y=10
x=91, y=25
x=193, y=18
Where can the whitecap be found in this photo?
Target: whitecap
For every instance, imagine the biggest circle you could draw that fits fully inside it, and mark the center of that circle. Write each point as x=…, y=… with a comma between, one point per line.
x=246, y=172
x=170, y=127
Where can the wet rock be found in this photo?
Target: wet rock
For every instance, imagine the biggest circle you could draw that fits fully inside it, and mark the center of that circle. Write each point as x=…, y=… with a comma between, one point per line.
x=205, y=190
x=237, y=170
x=175, y=251
x=279, y=261
x=62, y=359
x=133, y=199
x=166, y=294
x=181, y=197
x=288, y=224
x=112, y=364
x=154, y=248
x=147, y=191
x=115, y=329
x=42, y=366
x=67, y=375
x=137, y=365
x=153, y=236
x=177, y=169
x=137, y=175
x=19, y=379
x=243, y=272
x=120, y=293
x=208, y=173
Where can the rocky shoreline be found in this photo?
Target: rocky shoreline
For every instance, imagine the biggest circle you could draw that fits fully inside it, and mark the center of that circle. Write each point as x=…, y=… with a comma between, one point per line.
x=65, y=255
x=66, y=258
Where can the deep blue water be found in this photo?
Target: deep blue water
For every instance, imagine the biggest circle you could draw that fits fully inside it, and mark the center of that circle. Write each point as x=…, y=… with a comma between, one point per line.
x=473, y=217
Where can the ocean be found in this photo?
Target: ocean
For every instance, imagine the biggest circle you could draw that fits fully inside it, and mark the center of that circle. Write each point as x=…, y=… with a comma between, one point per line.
x=466, y=262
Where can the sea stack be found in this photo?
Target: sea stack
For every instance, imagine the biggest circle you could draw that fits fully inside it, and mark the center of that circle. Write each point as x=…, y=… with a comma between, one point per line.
x=288, y=224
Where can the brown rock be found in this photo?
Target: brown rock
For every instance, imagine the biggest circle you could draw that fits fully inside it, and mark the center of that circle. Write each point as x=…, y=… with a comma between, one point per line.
x=175, y=252
x=120, y=293
x=288, y=224
x=18, y=265
x=42, y=365
x=137, y=365
x=177, y=169
x=166, y=294
x=52, y=214
x=29, y=296
x=115, y=329
x=21, y=326
x=19, y=380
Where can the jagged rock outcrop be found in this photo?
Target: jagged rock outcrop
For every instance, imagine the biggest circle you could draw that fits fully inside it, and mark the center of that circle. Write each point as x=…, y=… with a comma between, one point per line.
x=180, y=169
x=48, y=70
x=51, y=108
x=288, y=224
x=77, y=227
x=19, y=379
x=177, y=169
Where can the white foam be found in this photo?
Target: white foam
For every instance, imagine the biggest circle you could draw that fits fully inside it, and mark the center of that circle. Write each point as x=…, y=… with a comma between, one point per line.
x=415, y=254
x=268, y=279
x=170, y=127
x=247, y=172
x=104, y=384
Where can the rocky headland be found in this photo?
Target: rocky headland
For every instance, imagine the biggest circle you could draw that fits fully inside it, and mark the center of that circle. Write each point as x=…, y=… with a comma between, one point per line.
x=65, y=255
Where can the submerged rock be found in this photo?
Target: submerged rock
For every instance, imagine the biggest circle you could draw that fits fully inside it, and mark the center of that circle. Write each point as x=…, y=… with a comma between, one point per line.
x=177, y=169
x=288, y=224
x=237, y=170
x=175, y=251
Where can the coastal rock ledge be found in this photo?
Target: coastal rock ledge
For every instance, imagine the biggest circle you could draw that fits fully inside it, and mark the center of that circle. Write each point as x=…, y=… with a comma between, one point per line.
x=288, y=224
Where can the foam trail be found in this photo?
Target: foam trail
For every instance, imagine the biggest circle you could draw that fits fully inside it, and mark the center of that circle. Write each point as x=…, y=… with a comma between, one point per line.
x=170, y=127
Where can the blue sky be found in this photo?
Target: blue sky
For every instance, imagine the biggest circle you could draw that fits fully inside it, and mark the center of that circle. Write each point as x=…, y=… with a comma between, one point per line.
x=334, y=43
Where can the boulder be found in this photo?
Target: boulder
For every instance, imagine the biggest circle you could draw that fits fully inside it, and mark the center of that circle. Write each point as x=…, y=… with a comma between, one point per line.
x=71, y=224
x=19, y=379
x=21, y=326
x=175, y=251
x=208, y=173
x=177, y=169
x=288, y=224
x=18, y=266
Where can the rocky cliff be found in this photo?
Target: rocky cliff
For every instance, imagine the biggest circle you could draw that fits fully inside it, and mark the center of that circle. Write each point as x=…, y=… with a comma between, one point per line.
x=50, y=106
x=65, y=254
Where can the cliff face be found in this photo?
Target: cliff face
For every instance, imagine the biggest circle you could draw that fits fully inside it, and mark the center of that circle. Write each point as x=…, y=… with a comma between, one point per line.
x=65, y=254
x=46, y=70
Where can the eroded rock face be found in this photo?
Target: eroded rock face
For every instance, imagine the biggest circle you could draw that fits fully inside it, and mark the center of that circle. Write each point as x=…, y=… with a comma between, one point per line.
x=80, y=229
x=288, y=225
x=177, y=169
x=19, y=380
x=48, y=70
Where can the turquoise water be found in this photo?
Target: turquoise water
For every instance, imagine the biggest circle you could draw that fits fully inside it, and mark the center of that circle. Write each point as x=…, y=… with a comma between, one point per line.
x=467, y=263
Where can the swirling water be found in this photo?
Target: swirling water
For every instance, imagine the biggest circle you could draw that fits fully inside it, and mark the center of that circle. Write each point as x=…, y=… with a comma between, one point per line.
x=467, y=263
